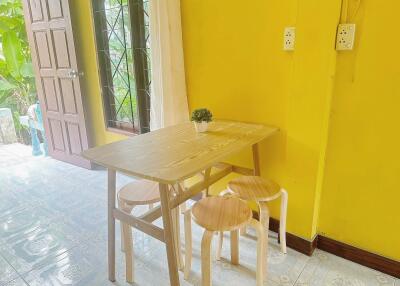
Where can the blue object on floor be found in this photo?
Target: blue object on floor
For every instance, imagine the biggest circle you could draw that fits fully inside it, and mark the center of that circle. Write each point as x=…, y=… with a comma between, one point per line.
x=36, y=150
x=39, y=118
x=34, y=121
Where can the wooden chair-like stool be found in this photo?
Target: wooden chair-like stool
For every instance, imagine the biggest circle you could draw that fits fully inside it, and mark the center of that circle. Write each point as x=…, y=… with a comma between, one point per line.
x=262, y=191
x=137, y=193
x=254, y=188
x=217, y=214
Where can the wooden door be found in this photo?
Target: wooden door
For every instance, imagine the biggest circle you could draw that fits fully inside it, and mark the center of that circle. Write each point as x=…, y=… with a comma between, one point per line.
x=51, y=41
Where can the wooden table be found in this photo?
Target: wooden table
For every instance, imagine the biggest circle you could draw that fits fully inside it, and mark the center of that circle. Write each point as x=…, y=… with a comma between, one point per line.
x=169, y=156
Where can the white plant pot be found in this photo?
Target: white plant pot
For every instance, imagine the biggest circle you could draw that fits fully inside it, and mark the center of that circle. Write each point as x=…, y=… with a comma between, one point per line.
x=201, y=126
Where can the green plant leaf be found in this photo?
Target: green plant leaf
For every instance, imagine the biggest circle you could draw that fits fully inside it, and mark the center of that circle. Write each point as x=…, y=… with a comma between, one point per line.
x=13, y=52
x=3, y=27
x=6, y=86
x=26, y=70
x=3, y=96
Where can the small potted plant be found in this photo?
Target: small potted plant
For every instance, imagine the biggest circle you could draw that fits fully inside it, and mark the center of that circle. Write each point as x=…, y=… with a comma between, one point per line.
x=201, y=117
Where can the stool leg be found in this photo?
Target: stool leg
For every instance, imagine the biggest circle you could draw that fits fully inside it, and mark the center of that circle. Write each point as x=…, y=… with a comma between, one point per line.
x=206, y=258
x=235, y=247
x=188, y=243
x=120, y=206
x=264, y=221
x=128, y=209
x=282, y=223
x=126, y=229
x=127, y=242
x=183, y=208
x=220, y=243
x=176, y=226
x=260, y=253
x=243, y=230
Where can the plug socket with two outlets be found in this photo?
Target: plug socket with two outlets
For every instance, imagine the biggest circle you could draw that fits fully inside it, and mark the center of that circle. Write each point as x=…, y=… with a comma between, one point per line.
x=345, y=37
x=289, y=38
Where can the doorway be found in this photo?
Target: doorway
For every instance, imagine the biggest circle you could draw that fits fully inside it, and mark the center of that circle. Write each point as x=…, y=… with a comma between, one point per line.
x=51, y=66
x=19, y=109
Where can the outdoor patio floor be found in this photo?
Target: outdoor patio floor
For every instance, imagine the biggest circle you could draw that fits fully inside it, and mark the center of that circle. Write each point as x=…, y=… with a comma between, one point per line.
x=53, y=230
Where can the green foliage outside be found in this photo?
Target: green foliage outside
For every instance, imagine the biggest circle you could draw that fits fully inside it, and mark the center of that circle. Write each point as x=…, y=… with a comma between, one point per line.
x=17, y=82
x=120, y=52
x=121, y=56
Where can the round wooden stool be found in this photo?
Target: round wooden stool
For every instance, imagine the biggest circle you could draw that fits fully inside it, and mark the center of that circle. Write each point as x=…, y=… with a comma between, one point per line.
x=137, y=193
x=216, y=214
x=262, y=191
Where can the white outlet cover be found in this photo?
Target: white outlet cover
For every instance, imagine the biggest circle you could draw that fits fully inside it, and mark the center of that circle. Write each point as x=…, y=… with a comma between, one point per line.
x=345, y=37
x=289, y=38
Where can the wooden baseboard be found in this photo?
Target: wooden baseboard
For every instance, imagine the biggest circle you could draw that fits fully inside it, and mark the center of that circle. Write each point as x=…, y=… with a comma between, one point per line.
x=363, y=257
x=359, y=256
x=297, y=243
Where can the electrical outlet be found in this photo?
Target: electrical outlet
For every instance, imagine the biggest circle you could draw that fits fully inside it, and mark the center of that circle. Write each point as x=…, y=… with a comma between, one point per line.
x=345, y=37
x=289, y=38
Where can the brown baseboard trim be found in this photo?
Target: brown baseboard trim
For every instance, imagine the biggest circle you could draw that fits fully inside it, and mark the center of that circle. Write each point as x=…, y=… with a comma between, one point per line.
x=297, y=243
x=359, y=256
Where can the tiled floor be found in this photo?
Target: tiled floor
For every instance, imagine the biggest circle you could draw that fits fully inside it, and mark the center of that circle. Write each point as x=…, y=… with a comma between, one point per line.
x=53, y=232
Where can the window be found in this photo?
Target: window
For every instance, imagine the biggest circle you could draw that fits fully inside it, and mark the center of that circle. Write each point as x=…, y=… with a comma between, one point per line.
x=123, y=46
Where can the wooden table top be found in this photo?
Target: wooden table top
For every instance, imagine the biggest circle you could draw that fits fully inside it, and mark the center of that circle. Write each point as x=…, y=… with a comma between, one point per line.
x=173, y=154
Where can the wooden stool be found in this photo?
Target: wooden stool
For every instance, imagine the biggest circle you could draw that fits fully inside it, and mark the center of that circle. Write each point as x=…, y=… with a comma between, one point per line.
x=137, y=193
x=254, y=188
x=217, y=214
x=262, y=191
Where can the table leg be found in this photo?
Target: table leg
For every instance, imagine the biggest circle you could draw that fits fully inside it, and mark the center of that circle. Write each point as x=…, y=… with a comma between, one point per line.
x=169, y=234
x=256, y=160
x=111, y=224
x=256, y=167
x=206, y=178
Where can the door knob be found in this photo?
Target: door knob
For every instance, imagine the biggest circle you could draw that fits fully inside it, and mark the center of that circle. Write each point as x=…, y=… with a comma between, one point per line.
x=74, y=74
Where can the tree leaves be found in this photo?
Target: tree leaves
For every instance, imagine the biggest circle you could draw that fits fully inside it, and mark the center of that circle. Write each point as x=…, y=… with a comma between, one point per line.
x=6, y=89
x=12, y=50
x=17, y=82
x=5, y=85
x=26, y=70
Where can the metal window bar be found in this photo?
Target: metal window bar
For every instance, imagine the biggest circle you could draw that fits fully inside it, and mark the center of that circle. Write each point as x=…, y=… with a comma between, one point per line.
x=122, y=36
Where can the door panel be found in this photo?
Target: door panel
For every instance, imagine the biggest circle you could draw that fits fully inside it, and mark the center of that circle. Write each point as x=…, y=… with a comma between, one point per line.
x=74, y=136
x=42, y=47
x=35, y=8
x=55, y=9
x=53, y=55
x=57, y=134
x=50, y=98
x=61, y=48
x=69, y=102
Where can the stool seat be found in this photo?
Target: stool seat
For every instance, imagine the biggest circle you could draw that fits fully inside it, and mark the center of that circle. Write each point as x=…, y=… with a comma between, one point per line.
x=254, y=188
x=142, y=192
x=221, y=213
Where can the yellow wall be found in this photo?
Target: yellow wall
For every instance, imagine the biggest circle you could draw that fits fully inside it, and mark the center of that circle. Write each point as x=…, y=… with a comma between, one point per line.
x=235, y=66
x=360, y=198
x=91, y=92
x=336, y=152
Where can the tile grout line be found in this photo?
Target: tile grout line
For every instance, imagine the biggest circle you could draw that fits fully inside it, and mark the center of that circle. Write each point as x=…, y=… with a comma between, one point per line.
x=302, y=270
x=18, y=274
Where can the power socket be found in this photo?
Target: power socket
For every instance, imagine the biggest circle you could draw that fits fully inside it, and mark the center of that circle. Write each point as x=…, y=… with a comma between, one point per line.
x=289, y=38
x=345, y=37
